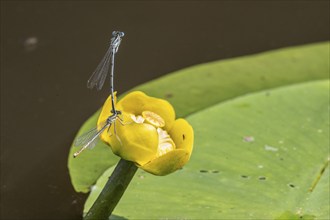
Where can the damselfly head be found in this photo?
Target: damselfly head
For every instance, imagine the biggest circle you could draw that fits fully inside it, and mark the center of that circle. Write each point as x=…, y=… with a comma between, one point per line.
x=118, y=33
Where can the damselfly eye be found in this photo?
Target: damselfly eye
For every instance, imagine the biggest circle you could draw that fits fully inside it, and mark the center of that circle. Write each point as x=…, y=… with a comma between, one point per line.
x=118, y=33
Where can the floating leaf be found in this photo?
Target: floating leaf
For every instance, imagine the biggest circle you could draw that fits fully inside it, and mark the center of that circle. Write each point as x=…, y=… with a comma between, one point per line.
x=282, y=173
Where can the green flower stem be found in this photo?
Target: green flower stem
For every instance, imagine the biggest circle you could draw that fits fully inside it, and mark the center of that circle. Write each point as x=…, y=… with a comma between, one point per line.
x=112, y=191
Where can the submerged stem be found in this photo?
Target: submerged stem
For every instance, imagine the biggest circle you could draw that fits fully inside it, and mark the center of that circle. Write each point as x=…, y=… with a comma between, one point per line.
x=112, y=191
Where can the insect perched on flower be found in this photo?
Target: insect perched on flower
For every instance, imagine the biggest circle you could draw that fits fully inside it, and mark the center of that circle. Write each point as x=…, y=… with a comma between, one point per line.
x=90, y=138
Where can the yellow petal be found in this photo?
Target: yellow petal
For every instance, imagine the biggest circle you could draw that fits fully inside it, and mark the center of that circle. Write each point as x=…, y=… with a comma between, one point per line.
x=137, y=102
x=183, y=135
x=167, y=163
x=134, y=141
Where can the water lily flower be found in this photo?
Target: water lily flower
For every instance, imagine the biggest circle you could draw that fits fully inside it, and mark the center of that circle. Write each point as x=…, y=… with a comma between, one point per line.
x=148, y=134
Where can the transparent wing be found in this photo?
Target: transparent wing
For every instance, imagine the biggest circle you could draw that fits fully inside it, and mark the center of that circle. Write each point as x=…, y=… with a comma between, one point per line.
x=90, y=136
x=98, y=77
x=103, y=76
x=85, y=138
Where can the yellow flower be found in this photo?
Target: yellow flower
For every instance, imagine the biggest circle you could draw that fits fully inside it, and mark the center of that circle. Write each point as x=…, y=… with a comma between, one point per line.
x=148, y=134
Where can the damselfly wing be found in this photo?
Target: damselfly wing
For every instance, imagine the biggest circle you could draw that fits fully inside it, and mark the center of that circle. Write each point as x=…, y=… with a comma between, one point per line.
x=90, y=138
x=100, y=74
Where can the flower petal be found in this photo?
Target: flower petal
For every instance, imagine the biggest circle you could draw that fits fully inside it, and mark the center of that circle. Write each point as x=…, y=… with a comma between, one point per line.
x=134, y=142
x=167, y=163
x=183, y=135
x=137, y=102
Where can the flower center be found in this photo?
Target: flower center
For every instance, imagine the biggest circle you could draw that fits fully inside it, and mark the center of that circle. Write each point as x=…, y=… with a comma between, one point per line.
x=153, y=119
x=165, y=142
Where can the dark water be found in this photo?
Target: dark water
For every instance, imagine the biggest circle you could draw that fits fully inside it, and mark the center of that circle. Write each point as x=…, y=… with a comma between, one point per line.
x=49, y=49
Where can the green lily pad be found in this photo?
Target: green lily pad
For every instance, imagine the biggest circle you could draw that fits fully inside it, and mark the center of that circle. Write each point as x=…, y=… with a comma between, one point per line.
x=196, y=88
x=260, y=156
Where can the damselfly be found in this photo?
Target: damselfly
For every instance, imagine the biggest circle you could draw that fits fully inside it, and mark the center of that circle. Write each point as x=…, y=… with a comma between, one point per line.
x=90, y=138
